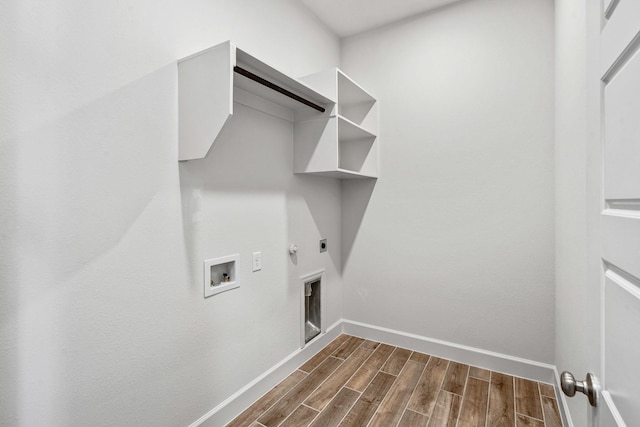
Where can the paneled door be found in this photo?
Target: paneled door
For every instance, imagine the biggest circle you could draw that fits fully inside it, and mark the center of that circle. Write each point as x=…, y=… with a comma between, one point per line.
x=618, y=229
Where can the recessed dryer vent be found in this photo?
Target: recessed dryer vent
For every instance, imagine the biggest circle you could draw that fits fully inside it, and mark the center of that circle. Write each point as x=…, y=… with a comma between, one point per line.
x=312, y=307
x=312, y=313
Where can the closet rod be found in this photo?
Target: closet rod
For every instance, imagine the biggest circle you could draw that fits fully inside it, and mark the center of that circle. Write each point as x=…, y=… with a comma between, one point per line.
x=277, y=88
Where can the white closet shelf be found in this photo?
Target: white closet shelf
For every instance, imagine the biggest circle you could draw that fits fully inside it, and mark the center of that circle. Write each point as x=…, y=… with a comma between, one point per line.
x=342, y=174
x=206, y=83
x=349, y=131
x=351, y=92
x=335, y=120
x=344, y=144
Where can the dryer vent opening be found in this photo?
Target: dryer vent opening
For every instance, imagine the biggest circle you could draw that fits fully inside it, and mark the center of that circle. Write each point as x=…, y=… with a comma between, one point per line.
x=312, y=309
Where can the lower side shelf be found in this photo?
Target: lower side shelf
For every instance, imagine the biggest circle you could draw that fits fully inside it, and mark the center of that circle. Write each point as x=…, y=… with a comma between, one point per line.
x=340, y=173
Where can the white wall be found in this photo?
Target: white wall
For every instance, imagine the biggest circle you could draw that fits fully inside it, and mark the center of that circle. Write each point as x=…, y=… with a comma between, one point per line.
x=103, y=233
x=455, y=242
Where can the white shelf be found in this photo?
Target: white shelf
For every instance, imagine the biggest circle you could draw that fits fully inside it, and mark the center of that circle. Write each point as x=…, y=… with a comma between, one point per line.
x=334, y=144
x=349, y=131
x=207, y=87
x=350, y=92
x=340, y=142
x=343, y=145
x=342, y=174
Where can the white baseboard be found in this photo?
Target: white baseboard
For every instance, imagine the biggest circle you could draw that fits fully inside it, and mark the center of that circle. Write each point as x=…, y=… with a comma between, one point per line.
x=243, y=398
x=516, y=366
x=511, y=365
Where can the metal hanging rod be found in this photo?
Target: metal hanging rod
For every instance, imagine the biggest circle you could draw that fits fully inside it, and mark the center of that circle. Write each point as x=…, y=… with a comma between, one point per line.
x=277, y=88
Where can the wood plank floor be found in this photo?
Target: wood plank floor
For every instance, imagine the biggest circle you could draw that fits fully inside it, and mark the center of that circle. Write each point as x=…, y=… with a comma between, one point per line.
x=354, y=382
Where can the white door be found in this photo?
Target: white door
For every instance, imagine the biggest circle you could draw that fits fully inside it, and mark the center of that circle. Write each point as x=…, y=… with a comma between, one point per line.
x=615, y=180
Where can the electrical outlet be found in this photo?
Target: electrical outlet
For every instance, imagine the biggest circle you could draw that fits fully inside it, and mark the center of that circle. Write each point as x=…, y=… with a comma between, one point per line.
x=257, y=261
x=323, y=245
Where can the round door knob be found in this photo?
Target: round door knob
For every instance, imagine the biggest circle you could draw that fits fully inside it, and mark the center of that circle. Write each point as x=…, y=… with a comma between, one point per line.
x=568, y=383
x=589, y=387
x=293, y=249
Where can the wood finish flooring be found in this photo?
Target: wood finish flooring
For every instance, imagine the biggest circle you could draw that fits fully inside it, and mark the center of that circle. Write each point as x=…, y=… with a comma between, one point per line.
x=356, y=382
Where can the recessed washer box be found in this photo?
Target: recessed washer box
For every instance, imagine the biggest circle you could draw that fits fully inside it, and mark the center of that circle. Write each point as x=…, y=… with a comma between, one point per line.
x=221, y=274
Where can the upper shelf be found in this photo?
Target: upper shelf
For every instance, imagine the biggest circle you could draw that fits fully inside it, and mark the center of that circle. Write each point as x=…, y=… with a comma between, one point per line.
x=350, y=131
x=343, y=145
x=206, y=83
x=350, y=92
x=352, y=101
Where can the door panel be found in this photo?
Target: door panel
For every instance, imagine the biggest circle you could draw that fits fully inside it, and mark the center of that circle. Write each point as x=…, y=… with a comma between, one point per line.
x=607, y=415
x=620, y=218
x=621, y=240
x=622, y=132
x=618, y=34
x=622, y=348
x=608, y=6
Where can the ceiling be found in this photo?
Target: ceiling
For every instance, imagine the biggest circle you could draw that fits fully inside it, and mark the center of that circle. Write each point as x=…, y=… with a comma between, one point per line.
x=349, y=17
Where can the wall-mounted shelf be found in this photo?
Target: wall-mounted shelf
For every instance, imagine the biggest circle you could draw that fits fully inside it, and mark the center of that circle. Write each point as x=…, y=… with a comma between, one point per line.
x=335, y=120
x=344, y=143
x=209, y=82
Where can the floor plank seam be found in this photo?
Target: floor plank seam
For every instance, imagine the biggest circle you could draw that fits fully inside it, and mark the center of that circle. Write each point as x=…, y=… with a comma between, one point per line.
x=314, y=418
x=313, y=391
x=342, y=361
x=486, y=414
x=350, y=408
x=420, y=412
x=439, y=389
x=464, y=392
x=527, y=416
x=348, y=379
x=373, y=376
x=387, y=395
x=401, y=416
x=515, y=415
x=544, y=420
x=277, y=400
x=355, y=371
x=413, y=390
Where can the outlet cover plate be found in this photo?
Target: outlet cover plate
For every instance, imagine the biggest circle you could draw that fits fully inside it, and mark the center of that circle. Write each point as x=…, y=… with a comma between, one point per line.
x=256, y=263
